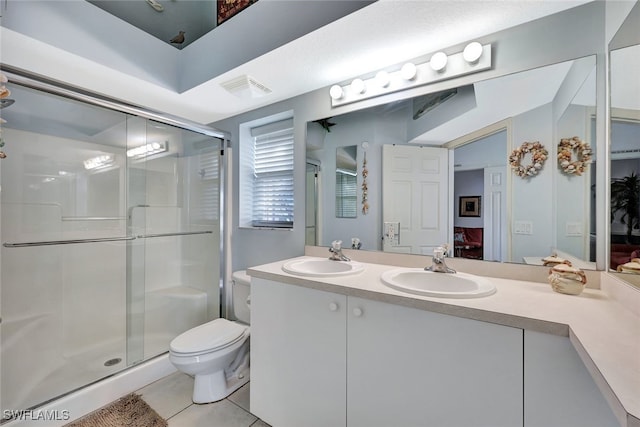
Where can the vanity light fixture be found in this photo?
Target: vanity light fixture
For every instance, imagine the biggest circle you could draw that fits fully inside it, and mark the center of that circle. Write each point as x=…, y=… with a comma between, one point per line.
x=358, y=86
x=472, y=52
x=336, y=92
x=383, y=79
x=409, y=71
x=148, y=149
x=474, y=58
x=438, y=61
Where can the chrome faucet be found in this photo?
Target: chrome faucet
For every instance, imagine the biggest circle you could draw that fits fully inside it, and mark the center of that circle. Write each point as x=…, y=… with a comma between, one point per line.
x=439, y=266
x=336, y=251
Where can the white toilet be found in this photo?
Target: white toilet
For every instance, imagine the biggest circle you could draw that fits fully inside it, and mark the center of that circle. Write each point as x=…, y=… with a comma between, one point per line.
x=217, y=353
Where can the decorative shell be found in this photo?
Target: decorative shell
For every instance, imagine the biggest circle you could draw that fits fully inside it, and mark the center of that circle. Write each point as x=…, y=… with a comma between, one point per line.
x=632, y=266
x=554, y=260
x=567, y=280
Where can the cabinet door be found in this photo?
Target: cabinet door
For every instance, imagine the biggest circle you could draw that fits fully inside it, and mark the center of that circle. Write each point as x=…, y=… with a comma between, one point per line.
x=408, y=367
x=559, y=391
x=298, y=355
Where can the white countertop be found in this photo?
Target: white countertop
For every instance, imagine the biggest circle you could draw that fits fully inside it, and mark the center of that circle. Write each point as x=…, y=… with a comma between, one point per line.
x=605, y=334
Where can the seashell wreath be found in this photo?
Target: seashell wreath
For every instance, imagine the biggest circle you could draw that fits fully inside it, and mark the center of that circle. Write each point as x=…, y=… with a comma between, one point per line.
x=538, y=156
x=566, y=148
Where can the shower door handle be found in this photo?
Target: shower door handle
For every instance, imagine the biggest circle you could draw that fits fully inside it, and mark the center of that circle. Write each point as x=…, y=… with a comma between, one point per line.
x=67, y=242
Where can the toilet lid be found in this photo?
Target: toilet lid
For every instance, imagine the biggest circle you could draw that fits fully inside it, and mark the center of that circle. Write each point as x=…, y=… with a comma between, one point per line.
x=208, y=337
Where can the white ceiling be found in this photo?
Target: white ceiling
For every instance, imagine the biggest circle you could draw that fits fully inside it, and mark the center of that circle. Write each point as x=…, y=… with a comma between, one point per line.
x=378, y=36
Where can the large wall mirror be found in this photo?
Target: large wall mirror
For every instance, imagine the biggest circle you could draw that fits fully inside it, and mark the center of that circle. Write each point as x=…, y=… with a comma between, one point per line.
x=473, y=129
x=625, y=149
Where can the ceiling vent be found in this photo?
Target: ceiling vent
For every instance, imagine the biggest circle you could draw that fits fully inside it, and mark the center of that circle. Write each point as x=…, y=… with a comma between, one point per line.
x=246, y=87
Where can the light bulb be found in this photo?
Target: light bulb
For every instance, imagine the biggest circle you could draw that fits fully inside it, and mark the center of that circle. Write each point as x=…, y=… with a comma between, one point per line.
x=358, y=86
x=382, y=78
x=472, y=52
x=438, y=61
x=336, y=92
x=408, y=71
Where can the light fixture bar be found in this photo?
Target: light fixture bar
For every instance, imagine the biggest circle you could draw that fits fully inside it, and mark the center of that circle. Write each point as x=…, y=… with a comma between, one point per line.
x=99, y=162
x=147, y=149
x=415, y=75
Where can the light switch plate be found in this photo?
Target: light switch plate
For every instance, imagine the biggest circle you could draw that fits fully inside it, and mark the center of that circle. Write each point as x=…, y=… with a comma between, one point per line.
x=573, y=229
x=523, y=227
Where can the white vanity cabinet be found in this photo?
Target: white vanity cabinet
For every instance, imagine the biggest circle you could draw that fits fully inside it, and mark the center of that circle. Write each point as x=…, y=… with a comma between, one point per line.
x=410, y=367
x=559, y=391
x=327, y=360
x=298, y=348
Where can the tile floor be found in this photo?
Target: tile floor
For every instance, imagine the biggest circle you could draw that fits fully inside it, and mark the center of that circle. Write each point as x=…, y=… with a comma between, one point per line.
x=171, y=398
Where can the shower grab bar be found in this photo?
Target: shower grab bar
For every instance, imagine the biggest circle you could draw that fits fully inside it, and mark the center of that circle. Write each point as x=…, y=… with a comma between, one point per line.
x=66, y=242
x=184, y=233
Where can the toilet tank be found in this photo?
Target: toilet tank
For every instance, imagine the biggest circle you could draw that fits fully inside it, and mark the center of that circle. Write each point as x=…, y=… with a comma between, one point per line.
x=241, y=287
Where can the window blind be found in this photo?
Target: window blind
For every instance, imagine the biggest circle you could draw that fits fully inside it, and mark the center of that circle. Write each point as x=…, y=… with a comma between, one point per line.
x=273, y=179
x=346, y=195
x=209, y=172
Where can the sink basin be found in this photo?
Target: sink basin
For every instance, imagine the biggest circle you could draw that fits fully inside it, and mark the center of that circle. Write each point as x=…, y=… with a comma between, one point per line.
x=321, y=267
x=445, y=285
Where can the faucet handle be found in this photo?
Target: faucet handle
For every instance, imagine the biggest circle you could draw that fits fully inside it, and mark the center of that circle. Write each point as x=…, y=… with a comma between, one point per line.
x=336, y=244
x=443, y=249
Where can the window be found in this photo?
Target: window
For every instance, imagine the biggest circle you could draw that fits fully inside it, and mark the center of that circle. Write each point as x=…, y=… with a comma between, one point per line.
x=267, y=163
x=346, y=194
x=206, y=198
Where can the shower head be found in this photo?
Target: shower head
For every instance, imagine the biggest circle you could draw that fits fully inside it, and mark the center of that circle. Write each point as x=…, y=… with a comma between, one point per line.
x=6, y=102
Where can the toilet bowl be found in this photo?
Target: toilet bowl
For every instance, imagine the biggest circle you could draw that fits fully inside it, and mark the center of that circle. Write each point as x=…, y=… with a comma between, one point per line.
x=217, y=353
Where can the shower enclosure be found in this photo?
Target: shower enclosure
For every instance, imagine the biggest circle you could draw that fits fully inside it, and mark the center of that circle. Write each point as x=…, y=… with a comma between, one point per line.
x=110, y=230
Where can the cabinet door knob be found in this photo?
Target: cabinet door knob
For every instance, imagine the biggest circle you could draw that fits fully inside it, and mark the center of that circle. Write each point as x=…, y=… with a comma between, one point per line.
x=333, y=306
x=357, y=312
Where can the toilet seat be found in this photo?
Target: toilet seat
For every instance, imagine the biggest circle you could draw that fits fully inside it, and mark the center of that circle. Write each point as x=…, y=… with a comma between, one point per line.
x=209, y=337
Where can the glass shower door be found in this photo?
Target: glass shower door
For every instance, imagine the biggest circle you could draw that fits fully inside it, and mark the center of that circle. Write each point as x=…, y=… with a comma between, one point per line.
x=110, y=242
x=174, y=213
x=63, y=228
